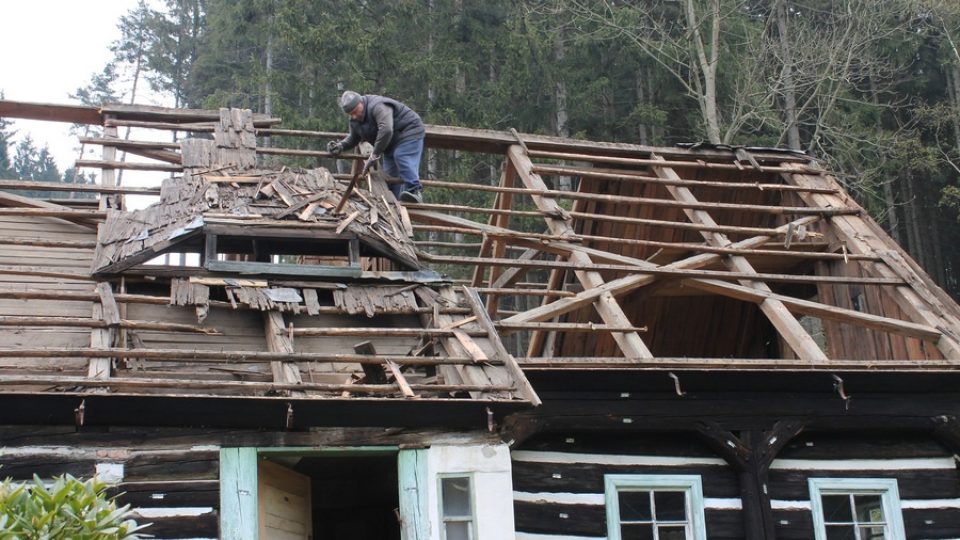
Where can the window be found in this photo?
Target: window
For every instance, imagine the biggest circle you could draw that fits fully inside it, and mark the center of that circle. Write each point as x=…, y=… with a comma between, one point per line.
x=456, y=508
x=856, y=509
x=642, y=507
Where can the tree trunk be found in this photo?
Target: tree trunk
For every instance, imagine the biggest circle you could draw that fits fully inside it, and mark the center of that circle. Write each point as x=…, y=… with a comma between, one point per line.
x=706, y=64
x=268, y=80
x=560, y=99
x=789, y=85
x=644, y=139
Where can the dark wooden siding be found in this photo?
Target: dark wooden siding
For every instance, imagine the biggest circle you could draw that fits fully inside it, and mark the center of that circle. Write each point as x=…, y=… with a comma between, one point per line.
x=558, y=480
x=559, y=465
x=925, y=472
x=174, y=487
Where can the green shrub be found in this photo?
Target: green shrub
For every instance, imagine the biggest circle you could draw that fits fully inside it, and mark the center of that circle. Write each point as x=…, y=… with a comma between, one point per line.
x=66, y=508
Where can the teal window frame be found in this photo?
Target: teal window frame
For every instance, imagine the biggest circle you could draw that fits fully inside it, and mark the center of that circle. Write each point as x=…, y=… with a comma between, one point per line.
x=239, y=490
x=690, y=484
x=885, y=487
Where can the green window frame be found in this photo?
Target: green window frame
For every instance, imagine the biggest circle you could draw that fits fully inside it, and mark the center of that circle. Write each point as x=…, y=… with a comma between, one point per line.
x=870, y=507
x=632, y=501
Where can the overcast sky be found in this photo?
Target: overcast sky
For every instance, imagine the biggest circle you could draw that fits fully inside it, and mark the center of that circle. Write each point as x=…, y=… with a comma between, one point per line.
x=51, y=48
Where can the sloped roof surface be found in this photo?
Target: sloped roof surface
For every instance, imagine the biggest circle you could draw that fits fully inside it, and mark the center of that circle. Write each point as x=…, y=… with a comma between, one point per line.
x=575, y=254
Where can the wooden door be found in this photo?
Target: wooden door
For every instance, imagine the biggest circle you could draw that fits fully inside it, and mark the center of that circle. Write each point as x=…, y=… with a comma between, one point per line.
x=283, y=503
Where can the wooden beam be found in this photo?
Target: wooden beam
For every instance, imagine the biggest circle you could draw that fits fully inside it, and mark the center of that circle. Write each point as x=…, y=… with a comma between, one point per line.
x=74, y=114
x=630, y=176
x=524, y=388
x=789, y=328
x=10, y=199
x=816, y=309
x=279, y=342
x=234, y=357
x=78, y=188
x=654, y=161
x=235, y=386
x=645, y=201
x=627, y=284
x=606, y=305
x=862, y=235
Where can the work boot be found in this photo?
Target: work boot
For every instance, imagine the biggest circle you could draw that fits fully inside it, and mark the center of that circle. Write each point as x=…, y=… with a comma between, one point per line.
x=413, y=196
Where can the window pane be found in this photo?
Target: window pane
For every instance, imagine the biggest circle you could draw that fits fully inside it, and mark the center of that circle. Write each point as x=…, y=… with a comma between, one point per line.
x=456, y=496
x=670, y=505
x=872, y=533
x=634, y=505
x=840, y=532
x=458, y=531
x=869, y=508
x=636, y=532
x=836, y=508
x=672, y=533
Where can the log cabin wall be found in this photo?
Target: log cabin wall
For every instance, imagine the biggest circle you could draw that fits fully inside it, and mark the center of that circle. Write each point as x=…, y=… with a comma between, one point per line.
x=170, y=478
x=559, y=480
x=925, y=472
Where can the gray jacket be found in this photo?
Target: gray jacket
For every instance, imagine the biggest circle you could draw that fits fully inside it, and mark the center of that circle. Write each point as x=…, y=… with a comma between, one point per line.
x=386, y=122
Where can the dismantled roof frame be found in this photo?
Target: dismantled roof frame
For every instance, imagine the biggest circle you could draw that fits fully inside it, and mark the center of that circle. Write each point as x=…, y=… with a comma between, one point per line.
x=586, y=255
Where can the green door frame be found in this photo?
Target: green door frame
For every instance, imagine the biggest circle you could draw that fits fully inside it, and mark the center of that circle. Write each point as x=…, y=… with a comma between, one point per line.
x=238, y=486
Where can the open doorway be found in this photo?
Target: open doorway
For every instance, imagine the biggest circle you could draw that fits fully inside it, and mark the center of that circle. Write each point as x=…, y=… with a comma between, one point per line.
x=343, y=497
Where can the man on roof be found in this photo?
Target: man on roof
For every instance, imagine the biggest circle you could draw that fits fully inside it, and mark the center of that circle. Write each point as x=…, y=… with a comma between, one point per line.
x=396, y=133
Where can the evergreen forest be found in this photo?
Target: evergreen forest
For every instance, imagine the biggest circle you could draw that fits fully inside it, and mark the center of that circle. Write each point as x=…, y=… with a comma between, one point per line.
x=869, y=87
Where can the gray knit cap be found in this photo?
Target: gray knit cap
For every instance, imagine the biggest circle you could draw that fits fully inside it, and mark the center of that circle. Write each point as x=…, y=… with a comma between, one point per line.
x=349, y=101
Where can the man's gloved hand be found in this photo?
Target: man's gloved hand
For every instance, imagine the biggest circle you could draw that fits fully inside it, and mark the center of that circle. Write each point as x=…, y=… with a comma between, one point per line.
x=335, y=147
x=369, y=163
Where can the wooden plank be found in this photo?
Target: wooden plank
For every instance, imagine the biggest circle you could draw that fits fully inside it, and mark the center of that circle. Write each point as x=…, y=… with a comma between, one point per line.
x=111, y=313
x=400, y=379
x=279, y=342
x=523, y=385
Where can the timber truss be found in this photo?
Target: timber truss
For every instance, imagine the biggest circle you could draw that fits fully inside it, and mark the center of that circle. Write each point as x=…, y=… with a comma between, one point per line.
x=578, y=254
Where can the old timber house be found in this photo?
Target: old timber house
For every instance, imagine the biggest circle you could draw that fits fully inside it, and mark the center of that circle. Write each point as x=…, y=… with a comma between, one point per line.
x=609, y=341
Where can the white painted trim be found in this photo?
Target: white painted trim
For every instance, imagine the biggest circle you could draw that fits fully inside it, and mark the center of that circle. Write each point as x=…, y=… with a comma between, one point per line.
x=534, y=536
x=922, y=504
x=864, y=464
x=790, y=505
x=722, y=504
x=599, y=499
x=186, y=511
x=610, y=459
x=593, y=499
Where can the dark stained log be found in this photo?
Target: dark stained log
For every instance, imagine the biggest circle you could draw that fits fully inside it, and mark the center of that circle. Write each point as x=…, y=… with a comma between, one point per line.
x=154, y=437
x=916, y=484
x=534, y=477
x=202, y=526
x=168, y=493
x=569, y=519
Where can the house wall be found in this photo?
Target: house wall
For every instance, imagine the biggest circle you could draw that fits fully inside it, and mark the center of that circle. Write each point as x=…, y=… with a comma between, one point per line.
x=27, y=265
x=926, y=473
x=172, y=477
x=559, y=481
